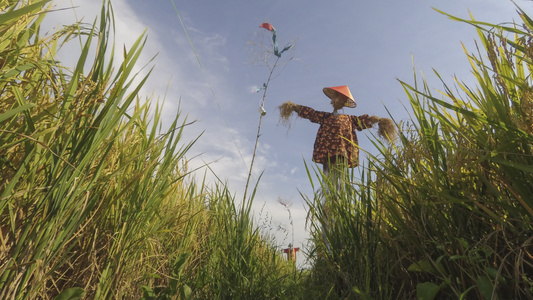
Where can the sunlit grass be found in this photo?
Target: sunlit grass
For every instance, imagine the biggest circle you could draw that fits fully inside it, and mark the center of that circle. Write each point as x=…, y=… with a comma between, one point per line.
x=446, y=212
x=94, y=199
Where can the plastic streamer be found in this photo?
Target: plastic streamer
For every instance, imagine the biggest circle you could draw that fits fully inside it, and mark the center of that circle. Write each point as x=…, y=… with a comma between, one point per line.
x=271, y=28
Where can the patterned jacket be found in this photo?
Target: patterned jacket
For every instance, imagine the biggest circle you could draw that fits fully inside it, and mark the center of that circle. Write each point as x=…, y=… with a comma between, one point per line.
x=336, y=135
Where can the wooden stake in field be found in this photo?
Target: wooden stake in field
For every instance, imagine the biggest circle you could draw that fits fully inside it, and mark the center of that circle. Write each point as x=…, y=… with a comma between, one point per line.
x=262, y=111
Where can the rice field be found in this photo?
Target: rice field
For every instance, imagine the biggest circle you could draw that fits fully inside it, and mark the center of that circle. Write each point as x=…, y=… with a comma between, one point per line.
x=96, y=201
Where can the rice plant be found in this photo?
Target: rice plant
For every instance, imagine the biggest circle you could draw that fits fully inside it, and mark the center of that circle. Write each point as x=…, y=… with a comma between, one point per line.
x=68, y=181
x=446, y=212
x=95, y=201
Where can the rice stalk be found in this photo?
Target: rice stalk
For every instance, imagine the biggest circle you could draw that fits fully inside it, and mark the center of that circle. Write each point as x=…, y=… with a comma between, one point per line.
x=94, y=200
x=443, y=210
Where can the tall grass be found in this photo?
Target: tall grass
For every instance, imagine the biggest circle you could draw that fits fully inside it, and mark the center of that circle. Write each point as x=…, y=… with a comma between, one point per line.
x=95, y=201
x=447, y=212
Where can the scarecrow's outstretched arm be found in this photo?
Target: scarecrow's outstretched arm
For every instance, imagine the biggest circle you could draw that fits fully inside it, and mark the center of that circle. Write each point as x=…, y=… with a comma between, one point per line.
x=305, y=112
x=386, y=130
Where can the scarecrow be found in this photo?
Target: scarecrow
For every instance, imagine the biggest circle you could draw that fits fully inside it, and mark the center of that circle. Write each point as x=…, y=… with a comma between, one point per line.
x=336, y=144
x=291, y=252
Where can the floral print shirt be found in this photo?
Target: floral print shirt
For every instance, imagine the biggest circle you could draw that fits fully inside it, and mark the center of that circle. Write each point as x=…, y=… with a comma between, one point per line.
x=336, y=135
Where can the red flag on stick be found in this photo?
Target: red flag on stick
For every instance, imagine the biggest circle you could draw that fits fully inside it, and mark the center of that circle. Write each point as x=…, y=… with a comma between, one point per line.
x=267, y=26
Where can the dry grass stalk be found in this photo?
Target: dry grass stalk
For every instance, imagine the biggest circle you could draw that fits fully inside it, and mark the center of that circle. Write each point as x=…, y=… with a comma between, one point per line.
x=387, y=129
x=373, y=119
x=285, y=112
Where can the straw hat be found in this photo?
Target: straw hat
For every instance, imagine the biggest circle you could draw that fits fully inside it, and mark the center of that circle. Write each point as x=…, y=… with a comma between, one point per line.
x=343, y=90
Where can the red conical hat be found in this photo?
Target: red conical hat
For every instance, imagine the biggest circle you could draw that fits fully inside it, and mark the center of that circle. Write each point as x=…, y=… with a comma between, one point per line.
x=343, y=90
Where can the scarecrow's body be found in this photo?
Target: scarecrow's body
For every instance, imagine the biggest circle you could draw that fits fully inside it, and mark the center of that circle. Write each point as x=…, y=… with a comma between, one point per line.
x=336, y=144
x=336, y=140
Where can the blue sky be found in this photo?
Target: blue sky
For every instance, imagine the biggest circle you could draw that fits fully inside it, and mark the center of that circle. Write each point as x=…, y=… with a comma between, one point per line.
x=367, y=45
